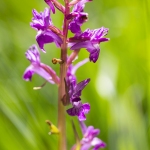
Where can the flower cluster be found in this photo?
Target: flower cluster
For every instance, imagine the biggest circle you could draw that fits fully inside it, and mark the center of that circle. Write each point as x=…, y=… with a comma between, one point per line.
x=88, y=39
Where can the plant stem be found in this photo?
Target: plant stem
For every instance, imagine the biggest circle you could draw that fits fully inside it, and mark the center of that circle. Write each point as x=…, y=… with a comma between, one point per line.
x=61, y=89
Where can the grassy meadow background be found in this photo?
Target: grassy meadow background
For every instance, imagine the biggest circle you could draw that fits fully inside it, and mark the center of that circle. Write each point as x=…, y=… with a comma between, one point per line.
x=119, y=91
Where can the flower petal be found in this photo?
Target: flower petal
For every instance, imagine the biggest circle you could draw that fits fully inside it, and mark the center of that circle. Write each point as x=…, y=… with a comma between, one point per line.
x=79, y=87
x=42, y=20
x=51, y=5
x=74, y=27
x=83, y=44
x=72, y=112
x=94, y=52
x=47, y=37
x=28, y=73
x=40, y=71
x=81, y=116
x=79, y=64
x=80, y=5
x=97, y=143
x=33, y=55
x=86, y=108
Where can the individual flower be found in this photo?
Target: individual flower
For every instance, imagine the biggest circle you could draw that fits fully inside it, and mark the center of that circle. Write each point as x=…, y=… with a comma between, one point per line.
x=90, y=138
x=77, y=17
x=79, y=109
x=37, y=67
x=73, y=90
x=43, y=24
x=89, y=39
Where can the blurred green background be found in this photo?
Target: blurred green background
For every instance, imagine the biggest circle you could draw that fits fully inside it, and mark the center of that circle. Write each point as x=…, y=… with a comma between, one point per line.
x=119, y=91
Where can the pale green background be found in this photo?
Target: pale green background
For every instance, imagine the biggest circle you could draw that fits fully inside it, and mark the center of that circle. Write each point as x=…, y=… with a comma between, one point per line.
x=119, y=91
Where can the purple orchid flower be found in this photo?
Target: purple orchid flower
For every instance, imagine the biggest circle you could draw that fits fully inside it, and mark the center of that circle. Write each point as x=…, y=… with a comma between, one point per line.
x=37, y=67
x=42, y=22
x=74, y=88
x=89, y=39
x=78, y=17
x=90, y=138
x=79, y=110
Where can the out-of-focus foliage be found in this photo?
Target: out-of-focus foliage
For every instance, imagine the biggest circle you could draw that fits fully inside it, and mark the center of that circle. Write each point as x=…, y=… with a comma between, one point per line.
x=119, y=91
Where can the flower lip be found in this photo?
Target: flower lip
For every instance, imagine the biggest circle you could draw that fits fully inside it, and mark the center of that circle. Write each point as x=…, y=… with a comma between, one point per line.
x=47, y=36
x=28, y=75
x=79, y=110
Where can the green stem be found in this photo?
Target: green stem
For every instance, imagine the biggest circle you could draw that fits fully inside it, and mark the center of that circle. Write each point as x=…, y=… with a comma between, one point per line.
x=61, y=89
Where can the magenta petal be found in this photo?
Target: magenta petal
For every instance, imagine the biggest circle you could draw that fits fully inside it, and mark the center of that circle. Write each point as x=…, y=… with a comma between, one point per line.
x=79, y=87
x=28, y=74
x=92, y=132
x=40, y=71
x=36, y=68
x=47, y=19
x=79, y=110
x=74, y=27
x=81, y=116
x=94, y=54
x=48, y=2
x=86, y=108
x=72, y=111
x=97, y=143
x=47, y=37
x=80, y=6
x=103, y=40
x=33, y=55
x=79, y=64
x=89, y=130
x=41, y=21
x=84, y=44
x=42, y=39
x=37, y=21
